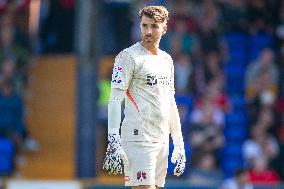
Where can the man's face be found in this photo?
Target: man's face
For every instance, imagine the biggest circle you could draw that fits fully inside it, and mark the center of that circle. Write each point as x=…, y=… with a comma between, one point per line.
x=151, y=31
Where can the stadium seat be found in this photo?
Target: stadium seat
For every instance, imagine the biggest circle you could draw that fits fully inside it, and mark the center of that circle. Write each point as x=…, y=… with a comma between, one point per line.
x=238, y=57
x=235, y=88
x=233, y=149
x=230, y=165
x=235, y=69
x=258, y=42
x=235, y=84
x=7, y=151
x=186, y=101
x=261, y=40
x=236, y=40
x=238, y=102
x=236, y=118
x=235, y=134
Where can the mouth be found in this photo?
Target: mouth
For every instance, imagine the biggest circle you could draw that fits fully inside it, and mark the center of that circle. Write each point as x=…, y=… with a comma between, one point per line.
x=148, y=38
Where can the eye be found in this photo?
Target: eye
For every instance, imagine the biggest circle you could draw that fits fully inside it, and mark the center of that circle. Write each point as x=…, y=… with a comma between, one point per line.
x=155, y=26
x=144, y=25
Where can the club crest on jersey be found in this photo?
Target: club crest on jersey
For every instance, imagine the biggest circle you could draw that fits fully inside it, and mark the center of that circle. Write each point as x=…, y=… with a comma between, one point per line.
x=117, y=74
x=141, y=175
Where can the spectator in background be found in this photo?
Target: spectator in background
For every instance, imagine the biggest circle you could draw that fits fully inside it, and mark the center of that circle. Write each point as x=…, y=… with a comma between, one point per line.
x=179, y=40
x=10, y=50
x=3, y=6
x=57, y=27
x=14, y=64
x=207, y=121
x=208, y=32
x=120, y=31
x=280, y=135
x=183, y=10
x=8, y=71
x=234, y=16
x=209, y=10
x=8, y=68
x=262, y=75
x=279, y=29
x=207, y=113
x=239, y=181
x=209, y=38
x=261, y=144
x=218, y=95
x=212, y=67
x=206, y=70
x=205, y=172
x=261, y=174
x=11, y=114
x=267, y=117
x=281, y=68
x=259, y=15
x=183, y=73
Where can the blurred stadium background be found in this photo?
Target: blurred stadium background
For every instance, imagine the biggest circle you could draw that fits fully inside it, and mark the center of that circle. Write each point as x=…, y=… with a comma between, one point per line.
x=56, y=60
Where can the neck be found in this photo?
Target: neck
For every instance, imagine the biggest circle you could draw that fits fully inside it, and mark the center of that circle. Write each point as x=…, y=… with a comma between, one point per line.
x=153, y=48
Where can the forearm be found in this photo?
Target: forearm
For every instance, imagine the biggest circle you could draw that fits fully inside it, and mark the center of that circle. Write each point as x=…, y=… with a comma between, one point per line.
x=114, y=109
x=175, y=126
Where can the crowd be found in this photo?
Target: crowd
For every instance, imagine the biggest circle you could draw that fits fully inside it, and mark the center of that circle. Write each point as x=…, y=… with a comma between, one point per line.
x=15, y=58
x=18, y=44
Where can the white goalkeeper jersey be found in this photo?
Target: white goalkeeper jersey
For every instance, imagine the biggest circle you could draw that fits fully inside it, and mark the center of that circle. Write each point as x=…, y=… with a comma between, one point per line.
x=149, y=83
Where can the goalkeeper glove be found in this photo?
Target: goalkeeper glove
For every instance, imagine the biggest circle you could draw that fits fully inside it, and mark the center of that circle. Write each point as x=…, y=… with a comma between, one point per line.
x=115, y=155
x=178, y=157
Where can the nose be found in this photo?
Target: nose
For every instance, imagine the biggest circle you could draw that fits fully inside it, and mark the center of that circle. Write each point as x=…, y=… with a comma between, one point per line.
x=149, y=31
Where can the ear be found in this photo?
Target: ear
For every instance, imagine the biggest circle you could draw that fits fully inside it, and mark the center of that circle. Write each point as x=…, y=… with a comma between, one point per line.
x=165, y=29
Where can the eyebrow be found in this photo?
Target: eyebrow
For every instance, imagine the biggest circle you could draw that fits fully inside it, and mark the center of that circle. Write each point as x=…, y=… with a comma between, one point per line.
x=144, y=24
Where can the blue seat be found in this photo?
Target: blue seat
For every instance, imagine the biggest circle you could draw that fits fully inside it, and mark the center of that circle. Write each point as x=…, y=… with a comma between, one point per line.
x=238, y=102
x=235, y=134
x=238, y=56
x=261, y=40
x=235, y=84
x=231, y=165
x=235, y=88
x=258, y=42
x=7, y=152
x=238, y=61
x=236, y=40
x=234, y=69
x=235, y=79
x=237, y=126
x=186, y=101
x=6, y=146
x=235, y=91
x=233, y=150
x=233, y=118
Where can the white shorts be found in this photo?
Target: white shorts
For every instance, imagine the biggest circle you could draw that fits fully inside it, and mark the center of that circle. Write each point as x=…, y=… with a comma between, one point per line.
x=148, y=163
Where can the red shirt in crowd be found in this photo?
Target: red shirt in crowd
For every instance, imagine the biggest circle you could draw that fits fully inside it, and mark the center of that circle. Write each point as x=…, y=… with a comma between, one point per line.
x=265, y=177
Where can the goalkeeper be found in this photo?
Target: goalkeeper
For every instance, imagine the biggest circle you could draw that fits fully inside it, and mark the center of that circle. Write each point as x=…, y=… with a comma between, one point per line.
x=143, y=76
